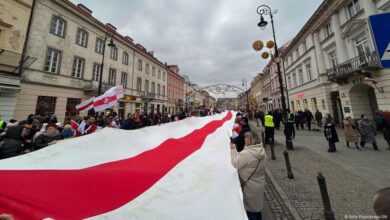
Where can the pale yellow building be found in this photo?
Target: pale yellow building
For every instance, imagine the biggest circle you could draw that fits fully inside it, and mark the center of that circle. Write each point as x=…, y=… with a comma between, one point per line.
x=14, y=19
x=68, y=43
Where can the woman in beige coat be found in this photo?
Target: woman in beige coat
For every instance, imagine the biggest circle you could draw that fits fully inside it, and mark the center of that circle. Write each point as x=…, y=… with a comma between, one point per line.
x=250, y=164
x=351, y=132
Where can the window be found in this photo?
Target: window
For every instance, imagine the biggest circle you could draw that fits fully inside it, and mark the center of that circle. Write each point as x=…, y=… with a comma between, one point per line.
x=300, y=75
x=147, y=68
x=99, y=46
x=153, y=71
x=146, y=85
x=333, y=59
x=314, y=104
x=323, y=104
x=96, y=72
x=308, y=72
x=153, y=87
x=163, y=90
x=289, y=82
x=139, y=84
x=71, y=106
x=158, y=89
x=304, y=48
x=139, y=65
x=293, y=107
x=328, y=30
x=297, y=52
x=125, y=58
x=164, y=76
x=58, y=26
x=46, y=105
x=52, y=61
x=362, y=46
x=159, y=74
x=82, y=38
x=114, y=53
x=78, y=67
x=111, y=76
x=353, y=8
x=294, y=76
x=124, y=79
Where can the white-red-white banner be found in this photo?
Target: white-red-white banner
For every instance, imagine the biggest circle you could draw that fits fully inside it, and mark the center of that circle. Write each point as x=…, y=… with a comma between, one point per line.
x=107, y=100
x=179, y=170
x=86, y=105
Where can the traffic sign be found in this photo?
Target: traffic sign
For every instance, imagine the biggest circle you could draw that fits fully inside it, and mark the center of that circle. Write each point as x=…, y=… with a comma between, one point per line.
x=380, y=30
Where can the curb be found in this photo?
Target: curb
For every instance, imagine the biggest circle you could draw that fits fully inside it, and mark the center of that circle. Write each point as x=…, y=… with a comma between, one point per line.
x=284, y=197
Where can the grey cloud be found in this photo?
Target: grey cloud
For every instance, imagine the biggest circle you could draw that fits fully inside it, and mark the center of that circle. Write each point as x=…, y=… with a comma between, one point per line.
x=211, y=41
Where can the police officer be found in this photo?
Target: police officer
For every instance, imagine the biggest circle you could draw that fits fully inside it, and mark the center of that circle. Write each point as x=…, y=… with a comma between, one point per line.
x=2, y=124
x=269, y=128
x=290, y=120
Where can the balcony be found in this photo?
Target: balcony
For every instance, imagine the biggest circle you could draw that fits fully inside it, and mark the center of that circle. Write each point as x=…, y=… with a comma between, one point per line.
x=148, y=95
x=353, y=66
x=93, y=86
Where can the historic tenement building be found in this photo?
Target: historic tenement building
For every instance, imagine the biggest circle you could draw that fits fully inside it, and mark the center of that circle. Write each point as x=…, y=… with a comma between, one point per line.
x=71, y=47
x=176, y=102
x=331, y=61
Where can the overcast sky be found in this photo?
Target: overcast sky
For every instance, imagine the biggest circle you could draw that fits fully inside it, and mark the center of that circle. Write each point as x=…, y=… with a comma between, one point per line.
x=210, y=40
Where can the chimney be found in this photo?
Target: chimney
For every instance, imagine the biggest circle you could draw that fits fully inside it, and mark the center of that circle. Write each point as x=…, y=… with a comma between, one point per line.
x=129, y=39
x=85, y=9
x=110, y=26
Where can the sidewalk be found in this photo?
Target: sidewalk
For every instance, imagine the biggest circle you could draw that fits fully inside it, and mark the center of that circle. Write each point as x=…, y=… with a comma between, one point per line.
x=352, y=176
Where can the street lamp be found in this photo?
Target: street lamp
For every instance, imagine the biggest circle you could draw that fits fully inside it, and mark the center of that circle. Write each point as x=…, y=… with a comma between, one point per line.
x=111, y=45
x=245, y=83
x=266, y=10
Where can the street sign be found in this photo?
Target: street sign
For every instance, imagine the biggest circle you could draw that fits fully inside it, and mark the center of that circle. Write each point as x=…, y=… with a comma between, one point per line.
x=380, y=30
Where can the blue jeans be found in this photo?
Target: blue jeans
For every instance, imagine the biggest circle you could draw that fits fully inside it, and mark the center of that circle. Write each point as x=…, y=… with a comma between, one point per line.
x=254, y=215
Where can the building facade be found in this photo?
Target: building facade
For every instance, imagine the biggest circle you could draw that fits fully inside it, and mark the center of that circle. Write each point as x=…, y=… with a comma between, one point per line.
x=330, y=58
x=69, y=44
x=14, y=19
x=176, y=83
x=257, y=91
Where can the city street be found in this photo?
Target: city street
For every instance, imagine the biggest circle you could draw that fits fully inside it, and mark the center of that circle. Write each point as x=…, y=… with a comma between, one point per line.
x=352, y=176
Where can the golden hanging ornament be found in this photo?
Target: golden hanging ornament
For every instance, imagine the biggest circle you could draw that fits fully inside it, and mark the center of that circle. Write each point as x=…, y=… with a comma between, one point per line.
x=258, y=45
x=265, y=55
x=270, y=44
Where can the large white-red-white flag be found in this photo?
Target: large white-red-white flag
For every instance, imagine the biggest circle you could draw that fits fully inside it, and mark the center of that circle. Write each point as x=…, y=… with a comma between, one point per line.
x=176, y=171
x=86, y=105
x=108, y=99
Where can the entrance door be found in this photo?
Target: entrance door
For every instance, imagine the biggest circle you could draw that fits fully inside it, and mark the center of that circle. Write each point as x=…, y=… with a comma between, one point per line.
x=337, y=108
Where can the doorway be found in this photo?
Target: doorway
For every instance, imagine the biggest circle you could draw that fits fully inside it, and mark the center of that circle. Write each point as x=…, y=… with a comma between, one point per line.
x=336, y=107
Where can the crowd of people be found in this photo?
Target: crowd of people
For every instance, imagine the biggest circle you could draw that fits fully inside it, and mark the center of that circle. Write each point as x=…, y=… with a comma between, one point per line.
x=37, y=132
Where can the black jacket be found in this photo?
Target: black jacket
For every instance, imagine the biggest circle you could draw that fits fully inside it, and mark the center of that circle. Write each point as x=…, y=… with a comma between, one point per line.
x=13, y=143
x=43, y=141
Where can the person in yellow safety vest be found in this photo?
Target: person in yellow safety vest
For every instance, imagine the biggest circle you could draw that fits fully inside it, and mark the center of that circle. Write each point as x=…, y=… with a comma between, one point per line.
x=291, y=120
x=2, y=124
x=269, y=128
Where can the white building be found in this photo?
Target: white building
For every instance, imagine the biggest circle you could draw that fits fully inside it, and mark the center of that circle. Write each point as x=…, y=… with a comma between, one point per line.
x=329, y=58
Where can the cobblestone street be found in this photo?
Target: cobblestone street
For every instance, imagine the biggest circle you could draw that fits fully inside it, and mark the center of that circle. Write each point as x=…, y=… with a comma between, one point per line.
x=352, y=176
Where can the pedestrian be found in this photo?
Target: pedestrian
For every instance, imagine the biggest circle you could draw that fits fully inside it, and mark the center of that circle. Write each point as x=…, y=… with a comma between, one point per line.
x=382, y=203
x=49, y=137
x=277, y=119
x=308, y=118
x=318, y=116
x=351, y=132
x=330, y=133
x=88, y=126
x=296, y=120
x=379, y=120
x=14, y=142
x=128, y=123
x=257, y=118
x=290, y=123
x=269, y=128
x=250, y=164
x=386, y=128
x=67, y=132
x=301, y=119
x=367, y=132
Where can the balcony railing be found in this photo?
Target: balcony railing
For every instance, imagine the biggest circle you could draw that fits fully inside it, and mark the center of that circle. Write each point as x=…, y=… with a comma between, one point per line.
x=148, y=95
x=361, y=62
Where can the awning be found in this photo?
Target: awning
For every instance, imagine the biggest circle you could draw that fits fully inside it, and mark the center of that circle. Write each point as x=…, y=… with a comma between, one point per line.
x=9, y=88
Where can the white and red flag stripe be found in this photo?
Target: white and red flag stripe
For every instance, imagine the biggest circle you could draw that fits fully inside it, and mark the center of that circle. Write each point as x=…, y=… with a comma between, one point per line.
x=86, y=105
x=179, y=170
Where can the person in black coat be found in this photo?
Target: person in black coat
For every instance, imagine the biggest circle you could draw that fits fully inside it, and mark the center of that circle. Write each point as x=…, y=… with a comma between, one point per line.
x=308, y=118
x=128, y=124
x=301, y=118
x=49, y=137
x=277, y=118
x=13, y=143
x=330, y=133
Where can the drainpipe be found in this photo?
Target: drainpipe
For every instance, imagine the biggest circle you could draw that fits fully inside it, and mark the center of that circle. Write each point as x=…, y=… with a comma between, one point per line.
x=27, y=37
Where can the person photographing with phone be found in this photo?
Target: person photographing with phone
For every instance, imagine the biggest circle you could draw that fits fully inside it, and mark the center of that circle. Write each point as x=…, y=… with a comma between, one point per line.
x=250, y=164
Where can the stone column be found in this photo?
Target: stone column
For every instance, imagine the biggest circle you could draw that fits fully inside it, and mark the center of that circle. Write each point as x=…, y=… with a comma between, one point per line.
x=341, y=48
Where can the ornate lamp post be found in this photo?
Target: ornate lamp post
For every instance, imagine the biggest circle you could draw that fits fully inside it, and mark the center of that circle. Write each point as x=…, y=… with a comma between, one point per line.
x=111, y=45
x=258, y=45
